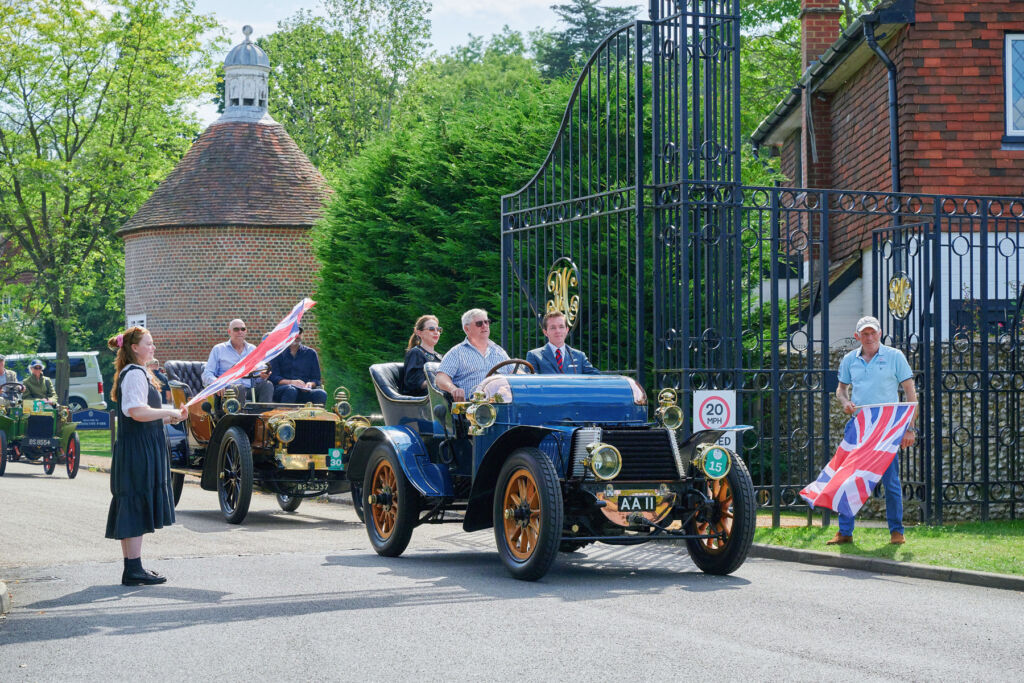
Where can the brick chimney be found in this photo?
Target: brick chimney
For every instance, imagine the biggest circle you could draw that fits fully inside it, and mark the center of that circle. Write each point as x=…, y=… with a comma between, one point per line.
x=819, y=29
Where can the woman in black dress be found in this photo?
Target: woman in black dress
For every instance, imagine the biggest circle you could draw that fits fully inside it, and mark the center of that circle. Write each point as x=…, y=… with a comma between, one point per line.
x=420, y=351
x=140, y=477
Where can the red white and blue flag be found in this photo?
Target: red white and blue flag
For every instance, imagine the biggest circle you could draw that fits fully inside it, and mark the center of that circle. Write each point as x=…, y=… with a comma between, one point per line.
x=271, y=347
x=871, y=441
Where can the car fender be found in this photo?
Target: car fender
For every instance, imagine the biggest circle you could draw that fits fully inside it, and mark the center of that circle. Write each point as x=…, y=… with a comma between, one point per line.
x=66, y=430
x=479, y=513
x=211, y=461
x=429, y=478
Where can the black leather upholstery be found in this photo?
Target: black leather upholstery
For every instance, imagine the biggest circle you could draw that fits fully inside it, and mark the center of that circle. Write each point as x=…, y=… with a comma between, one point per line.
x=397, y=408
x=188, y=372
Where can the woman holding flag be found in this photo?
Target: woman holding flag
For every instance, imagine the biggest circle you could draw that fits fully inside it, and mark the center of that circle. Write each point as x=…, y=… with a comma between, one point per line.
x=140, y=472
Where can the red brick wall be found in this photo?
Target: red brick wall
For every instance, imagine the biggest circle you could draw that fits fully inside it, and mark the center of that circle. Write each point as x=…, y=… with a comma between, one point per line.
x=190, y=282
x=788, y=159
x=952, y=91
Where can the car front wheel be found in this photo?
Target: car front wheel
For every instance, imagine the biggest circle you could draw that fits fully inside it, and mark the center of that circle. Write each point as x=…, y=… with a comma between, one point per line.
x=528, y=514
x=288, y=503
x=73, y=455
x=234, y=486
x=391, y=503
x=49, y=462
x=730, y=516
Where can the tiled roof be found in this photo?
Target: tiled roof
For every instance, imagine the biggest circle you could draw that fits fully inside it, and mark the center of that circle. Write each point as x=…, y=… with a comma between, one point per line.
x=237, y=173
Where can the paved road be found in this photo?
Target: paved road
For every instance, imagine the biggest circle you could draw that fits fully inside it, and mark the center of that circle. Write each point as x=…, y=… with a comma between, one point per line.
x=301, y=596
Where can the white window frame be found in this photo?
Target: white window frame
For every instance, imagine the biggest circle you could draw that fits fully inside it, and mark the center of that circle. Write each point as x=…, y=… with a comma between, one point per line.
x=1009, y=40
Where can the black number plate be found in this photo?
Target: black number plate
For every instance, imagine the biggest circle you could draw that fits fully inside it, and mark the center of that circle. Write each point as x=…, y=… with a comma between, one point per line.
x=39, y=443
x=638, y=503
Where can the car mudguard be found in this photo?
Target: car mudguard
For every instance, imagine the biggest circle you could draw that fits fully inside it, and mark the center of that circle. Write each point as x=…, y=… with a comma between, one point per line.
x=66, y=431
x=479, y=512
x=429, y=478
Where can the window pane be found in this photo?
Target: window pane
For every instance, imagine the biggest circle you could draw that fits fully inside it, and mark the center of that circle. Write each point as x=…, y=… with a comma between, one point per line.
x=1017, y=85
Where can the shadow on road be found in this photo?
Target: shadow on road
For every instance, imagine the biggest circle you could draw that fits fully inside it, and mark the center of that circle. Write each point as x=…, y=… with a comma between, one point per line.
x=212, y=521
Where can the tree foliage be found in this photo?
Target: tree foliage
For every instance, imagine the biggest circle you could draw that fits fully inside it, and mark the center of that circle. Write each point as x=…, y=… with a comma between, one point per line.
x=336, y=78
x=92, y=115
x=586, y=25
x=414, y=226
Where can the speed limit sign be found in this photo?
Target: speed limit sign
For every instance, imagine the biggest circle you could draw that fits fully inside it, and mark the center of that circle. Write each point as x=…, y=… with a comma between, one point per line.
x=716, y=409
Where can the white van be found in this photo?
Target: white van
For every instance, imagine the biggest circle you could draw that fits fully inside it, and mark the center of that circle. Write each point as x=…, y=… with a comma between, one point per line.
x=85, y=387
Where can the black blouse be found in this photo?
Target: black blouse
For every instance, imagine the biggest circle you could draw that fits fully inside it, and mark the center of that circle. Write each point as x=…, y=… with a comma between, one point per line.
x=413, y=375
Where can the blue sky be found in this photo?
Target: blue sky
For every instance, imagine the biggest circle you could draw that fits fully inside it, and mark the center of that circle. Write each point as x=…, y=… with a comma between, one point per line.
x=451, y=20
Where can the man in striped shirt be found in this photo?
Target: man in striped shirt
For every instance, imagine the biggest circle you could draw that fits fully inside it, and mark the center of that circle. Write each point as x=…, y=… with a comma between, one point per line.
x=467, y=363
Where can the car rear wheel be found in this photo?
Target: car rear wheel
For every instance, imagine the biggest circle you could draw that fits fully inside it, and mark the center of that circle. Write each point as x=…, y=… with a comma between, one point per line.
x=72, y=456
x=528, y=514
x=288, y=503
x=3, y=453
x=732, y=515
x=177, y=485
x=49, y=462
x=234, y=486
x=392, y=503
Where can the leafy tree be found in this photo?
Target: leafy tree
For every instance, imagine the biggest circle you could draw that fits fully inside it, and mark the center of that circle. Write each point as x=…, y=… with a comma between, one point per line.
x=335, y=78
x=587, y=24
x=92, y=115
x=413, y=227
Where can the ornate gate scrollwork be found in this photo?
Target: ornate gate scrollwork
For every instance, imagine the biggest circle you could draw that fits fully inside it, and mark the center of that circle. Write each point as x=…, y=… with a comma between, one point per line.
x=563, y=282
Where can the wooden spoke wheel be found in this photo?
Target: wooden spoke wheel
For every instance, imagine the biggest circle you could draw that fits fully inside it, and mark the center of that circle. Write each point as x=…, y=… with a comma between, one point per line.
x=391, y=503
x=234, y=483
x=727, y=520
x=72, y=456
x=49, y=462
x=528, y=514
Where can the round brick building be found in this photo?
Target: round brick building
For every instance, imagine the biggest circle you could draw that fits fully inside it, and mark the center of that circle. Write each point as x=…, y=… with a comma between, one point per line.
x=228, y=233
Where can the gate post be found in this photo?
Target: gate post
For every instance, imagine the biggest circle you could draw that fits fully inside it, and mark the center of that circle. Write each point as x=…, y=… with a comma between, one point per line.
x=934, y=459
x=776, y=375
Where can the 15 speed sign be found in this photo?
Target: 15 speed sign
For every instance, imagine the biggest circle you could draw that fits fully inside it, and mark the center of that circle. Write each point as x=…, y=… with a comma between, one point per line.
x=716, y=409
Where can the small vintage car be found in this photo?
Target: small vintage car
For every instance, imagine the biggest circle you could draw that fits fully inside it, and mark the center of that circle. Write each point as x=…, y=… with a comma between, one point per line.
x=551, y=462
x=291, y=450
x=37, y=430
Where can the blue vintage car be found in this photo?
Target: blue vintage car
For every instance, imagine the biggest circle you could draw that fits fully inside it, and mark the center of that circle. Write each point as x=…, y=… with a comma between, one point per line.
x=552, y=463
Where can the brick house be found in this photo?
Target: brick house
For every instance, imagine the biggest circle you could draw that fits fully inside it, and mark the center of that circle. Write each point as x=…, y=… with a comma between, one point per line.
x=955, y=79
x=227, y=234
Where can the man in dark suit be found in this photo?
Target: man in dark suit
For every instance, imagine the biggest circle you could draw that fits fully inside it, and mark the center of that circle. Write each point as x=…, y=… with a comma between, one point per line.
x=557, y=357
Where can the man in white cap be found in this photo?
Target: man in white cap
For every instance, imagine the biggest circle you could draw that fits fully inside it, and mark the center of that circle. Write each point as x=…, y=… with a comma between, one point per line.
x=876, y=372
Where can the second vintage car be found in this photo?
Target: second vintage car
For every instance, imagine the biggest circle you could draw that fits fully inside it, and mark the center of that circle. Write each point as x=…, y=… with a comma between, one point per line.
x=36, y=430
x=293, y=451
x=551, y=462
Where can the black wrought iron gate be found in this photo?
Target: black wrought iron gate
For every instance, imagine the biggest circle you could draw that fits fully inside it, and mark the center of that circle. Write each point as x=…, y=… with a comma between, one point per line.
x=670, y=270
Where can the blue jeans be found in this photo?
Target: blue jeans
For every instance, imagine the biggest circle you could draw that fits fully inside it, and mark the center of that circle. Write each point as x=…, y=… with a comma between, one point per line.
x=286, y=393
x=893, y=501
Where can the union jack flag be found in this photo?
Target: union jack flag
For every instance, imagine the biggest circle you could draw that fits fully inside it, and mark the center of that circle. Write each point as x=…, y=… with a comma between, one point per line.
x=872, y=438
x=271, y=346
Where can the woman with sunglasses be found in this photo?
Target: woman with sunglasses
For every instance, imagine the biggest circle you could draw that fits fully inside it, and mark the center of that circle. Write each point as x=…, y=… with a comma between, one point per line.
x=420, y=351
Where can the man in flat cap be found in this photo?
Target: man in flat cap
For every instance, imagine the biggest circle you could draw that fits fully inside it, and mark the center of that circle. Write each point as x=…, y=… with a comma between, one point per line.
x=876, y=373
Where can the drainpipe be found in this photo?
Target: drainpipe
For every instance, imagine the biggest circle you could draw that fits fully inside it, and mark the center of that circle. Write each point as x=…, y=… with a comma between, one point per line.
x=870, y=21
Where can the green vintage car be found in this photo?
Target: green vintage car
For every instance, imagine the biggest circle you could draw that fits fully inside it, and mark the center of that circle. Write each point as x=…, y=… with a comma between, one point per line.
x=36, y=429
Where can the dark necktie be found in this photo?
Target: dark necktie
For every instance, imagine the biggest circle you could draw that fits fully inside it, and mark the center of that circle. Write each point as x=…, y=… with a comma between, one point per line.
x=558, y=359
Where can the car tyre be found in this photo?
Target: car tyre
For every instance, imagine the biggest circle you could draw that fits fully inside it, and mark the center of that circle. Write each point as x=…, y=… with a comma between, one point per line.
x=177, y=485
x=392, y=503
x=735, y=515
x=49, y=463
x=3, y=453
x=234, y=486
x=289, y=503
x=357, y=500
x=73, y=455
x=528, y=514
x=76, y=404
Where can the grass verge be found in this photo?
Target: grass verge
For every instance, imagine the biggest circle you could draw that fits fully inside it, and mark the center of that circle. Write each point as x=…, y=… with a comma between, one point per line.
x=95, y=442
x=996, y=546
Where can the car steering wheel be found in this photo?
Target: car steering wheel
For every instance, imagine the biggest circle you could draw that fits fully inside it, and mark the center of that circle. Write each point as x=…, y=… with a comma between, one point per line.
x=512, y=361
x=13, y=388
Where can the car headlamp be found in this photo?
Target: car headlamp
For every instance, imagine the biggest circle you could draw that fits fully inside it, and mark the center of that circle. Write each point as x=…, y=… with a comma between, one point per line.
x=285, y=431
x=604, y=460
x=342, y=408
x=230, y=402
x=482, y=415
x=714, y=461
x=668, y=413
x=356, y=425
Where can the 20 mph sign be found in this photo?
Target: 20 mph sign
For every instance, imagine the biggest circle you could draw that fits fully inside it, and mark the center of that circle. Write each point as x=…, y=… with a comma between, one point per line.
x=716, y=409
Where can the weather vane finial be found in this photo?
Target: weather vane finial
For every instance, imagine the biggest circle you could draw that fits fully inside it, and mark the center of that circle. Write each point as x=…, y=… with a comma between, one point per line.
x=247, y=30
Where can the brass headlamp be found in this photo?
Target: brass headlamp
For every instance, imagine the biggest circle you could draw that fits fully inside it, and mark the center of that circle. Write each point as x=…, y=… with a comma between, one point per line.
x=480, y=412
x=604, y=460
x=669, y=414
x=284, y=430
x=342, y=408
x=229, y=401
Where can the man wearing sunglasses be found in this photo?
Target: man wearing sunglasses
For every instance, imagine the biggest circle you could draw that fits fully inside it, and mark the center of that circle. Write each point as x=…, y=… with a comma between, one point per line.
x=557, y=357
x=226, y=355
x=467, y=363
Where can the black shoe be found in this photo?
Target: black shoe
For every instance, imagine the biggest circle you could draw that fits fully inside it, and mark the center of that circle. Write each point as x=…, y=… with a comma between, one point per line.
x=143, y=578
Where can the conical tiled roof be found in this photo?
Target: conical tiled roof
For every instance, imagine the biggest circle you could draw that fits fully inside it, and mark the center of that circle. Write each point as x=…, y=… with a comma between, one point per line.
x=237, y=173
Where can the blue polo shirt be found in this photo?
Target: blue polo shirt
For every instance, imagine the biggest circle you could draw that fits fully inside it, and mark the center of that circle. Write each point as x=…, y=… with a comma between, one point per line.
x=877, y=381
